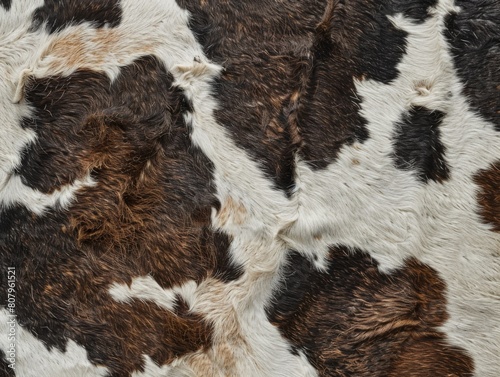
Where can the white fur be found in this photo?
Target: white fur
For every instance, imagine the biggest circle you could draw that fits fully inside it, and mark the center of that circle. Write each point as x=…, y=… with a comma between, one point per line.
x=387, y=212
x=146, y=289
x=33, y=359
x=16, y=47
x=151, y=369
x=370, y=204
x=15, y=192
x=19, y=50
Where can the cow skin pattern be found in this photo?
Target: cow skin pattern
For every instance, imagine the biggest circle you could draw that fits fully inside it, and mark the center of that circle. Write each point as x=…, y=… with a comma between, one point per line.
x=251, y=188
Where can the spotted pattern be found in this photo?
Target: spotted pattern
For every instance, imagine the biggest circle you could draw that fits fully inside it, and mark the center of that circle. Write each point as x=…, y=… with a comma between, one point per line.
x=265, y=188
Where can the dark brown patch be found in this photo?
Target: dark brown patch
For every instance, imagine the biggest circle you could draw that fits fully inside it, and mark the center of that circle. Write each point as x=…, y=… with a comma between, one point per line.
x=418, y=147
x=149, y=214
x=327, y=110
x=356, y=321
x=488, y=196
x=60, y=112
x=60, y=14
x=474, y=38
x=263, y=48
x=428, y=356
x=354, y=40
x=69, y=295
x=64, y=287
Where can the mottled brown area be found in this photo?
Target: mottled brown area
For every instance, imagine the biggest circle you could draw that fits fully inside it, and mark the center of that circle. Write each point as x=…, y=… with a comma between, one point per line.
x=148, y=214
x=289, y=69
x=264, y=53
x=353, y=320
x=428, y=356
x=67, y=287
x=488, y=196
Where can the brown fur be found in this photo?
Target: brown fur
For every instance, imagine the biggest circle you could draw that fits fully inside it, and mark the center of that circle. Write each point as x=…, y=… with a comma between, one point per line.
x=139, y=219
x=488, y=196
x=356, y=321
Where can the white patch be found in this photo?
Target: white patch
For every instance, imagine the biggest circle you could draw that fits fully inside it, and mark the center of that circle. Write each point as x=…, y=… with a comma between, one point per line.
x=145, y=289
x=13, y=191
x=153, y=370
x=240, y=329
x=386, y=211
x=33, y=359
x=18, y=51
x=16, y=48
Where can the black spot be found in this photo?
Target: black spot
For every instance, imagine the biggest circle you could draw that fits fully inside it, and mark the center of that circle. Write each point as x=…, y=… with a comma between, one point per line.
x=186, y=104
x=474, y=37
x=6, y=4
x=417, y=145
x=60, y=14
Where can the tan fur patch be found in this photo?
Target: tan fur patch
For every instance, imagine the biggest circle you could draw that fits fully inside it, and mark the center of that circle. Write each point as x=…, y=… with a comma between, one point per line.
x=232, y=211
x=92, y=49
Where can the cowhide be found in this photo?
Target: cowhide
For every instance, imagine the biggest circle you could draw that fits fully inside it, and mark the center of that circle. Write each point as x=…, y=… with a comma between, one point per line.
x=254, y=188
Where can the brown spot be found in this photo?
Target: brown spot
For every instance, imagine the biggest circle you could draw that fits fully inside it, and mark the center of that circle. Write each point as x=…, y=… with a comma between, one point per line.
x=361, y=77
x=295, y=96
x=47, y=289
x=355, y=161
x=488, y=196
x=431, y=356
x=354, y=320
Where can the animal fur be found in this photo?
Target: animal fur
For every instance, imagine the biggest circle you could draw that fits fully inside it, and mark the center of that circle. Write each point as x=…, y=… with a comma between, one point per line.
x=251, y=188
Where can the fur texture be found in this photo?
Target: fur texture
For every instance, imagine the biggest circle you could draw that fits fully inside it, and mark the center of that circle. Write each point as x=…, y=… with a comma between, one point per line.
x=255, y=188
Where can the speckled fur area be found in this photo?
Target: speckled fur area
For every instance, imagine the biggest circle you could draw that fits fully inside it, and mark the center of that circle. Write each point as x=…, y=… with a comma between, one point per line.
x=206, y=188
